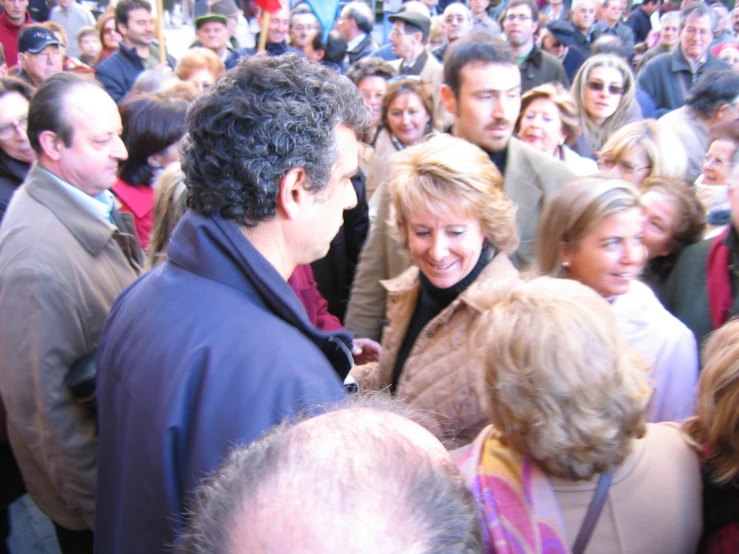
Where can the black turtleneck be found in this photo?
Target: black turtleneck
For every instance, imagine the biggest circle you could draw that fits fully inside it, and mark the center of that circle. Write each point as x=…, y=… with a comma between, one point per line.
x=499, y=159
x=431, y=302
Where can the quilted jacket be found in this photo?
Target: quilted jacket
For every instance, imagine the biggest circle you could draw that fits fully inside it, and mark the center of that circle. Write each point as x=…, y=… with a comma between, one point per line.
x=444, y=373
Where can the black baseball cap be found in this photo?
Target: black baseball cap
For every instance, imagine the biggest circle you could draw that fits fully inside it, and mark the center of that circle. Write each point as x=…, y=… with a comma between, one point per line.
x=35, y=38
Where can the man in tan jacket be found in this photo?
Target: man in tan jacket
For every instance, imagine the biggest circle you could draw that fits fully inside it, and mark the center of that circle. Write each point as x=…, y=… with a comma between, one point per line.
x=482, y=90
x=66, y=253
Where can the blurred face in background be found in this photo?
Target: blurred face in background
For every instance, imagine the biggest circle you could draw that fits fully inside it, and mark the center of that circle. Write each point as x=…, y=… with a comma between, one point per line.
x=408, y=118
x=13, y=123
x=373, y=90
x=541, y=126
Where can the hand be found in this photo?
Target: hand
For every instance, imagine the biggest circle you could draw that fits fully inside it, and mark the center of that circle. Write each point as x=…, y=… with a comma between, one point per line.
x=366, y=351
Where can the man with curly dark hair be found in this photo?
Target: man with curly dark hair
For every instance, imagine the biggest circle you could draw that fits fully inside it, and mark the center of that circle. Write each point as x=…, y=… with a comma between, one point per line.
x=212, y=348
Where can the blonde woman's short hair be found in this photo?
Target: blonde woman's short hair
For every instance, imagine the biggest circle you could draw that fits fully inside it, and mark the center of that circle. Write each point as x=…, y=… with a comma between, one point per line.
x=565, y=388
x=664, y=150
x=714, y=426
x=573, y=211
x=447, y=174
x=555, y=93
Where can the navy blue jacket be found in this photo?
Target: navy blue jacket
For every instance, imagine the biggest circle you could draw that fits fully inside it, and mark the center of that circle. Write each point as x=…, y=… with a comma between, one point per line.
x=118, y=72
x=209, y=350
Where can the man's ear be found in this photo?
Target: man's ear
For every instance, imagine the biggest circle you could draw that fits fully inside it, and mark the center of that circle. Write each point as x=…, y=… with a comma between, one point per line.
x=51, y=145
x=3, y=70
x=448, y=100
x=292, y=196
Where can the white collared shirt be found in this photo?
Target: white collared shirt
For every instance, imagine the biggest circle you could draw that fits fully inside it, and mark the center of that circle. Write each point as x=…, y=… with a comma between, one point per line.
x=100, y=205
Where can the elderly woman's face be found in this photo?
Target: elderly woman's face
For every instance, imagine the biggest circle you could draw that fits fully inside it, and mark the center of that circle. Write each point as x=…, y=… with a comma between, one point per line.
x=717, y=162
x=610, y=256
x=661, y=217
x=634, y=165
x=408, y=118
x=541, y=126
x=13, y=122
x=603, y=91
x=444, y=250
x=730, y=56
x=203, y=79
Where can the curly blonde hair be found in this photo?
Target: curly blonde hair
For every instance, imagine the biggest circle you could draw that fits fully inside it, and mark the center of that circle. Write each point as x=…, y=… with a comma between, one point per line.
x=714, y=426
x=447, y=174
x=564, y=386
x=556, y=94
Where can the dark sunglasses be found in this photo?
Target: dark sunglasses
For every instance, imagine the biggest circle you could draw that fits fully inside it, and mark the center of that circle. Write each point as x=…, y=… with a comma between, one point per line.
x=557, y=44
x=614, y=90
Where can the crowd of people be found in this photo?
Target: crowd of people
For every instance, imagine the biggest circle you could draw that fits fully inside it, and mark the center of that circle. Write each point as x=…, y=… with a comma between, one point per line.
x=467, y=289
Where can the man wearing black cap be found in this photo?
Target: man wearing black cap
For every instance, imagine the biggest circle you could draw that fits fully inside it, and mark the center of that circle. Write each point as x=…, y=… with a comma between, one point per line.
x=39, y=55
x=212, y=33
x=558, y=41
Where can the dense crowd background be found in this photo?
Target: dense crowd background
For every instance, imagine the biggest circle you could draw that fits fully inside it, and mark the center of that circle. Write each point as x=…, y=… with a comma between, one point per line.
x=518, y=221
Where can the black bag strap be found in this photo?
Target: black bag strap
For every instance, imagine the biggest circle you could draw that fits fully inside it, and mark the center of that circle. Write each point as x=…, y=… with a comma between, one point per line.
x=593, y=513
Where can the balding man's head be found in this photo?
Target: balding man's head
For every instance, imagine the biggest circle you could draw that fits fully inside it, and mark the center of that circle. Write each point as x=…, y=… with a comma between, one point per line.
x=360, y=479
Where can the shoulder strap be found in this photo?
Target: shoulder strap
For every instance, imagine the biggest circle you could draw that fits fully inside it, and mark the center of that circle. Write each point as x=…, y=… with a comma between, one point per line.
x=594, y=509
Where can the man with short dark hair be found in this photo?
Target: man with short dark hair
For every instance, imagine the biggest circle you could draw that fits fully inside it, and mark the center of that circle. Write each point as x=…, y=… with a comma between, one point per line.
x=667, y=77
x=283, y=493
x=640, y=21
x=713, y=99
x=520, y=22
x=482, y=91
x=138, y=51
x=66, y=253
x=39, y=54
x=213, y=347
x=14, y=16
x=356, y=24
x=611, y=24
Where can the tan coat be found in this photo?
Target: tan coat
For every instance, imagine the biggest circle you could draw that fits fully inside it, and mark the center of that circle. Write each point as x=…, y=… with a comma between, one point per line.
x=61, y=269
x=444, y=372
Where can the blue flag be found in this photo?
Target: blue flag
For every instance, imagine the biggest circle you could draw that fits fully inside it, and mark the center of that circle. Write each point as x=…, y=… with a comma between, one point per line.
x=325, y=12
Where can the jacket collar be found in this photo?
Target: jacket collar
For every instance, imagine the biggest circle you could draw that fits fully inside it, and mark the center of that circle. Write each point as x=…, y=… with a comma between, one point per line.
x=535, y=57
x=92, y=232
x=215, y=249
x=498, y=275
x=679, y=61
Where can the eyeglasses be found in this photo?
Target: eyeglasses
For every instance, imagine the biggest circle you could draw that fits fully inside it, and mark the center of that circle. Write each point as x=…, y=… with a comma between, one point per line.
x=301, y=28
x=557, y=44
x=691, y=31
x=517, y=17
x=715, y=162
x=625, y=167
x=614, y=90
x=9, y=129
x=46, y=55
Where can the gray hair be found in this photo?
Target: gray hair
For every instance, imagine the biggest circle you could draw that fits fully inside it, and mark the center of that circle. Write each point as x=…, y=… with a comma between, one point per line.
x=576, y=3
x=670, y=16
x=361, y=13
x=696, y=9
x=347, y=466
x=264, y=118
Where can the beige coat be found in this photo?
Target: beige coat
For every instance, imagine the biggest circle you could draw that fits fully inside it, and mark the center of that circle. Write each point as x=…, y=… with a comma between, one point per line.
x=444, y=373
x=530, y=177
x=61, y=269
x=653, y=505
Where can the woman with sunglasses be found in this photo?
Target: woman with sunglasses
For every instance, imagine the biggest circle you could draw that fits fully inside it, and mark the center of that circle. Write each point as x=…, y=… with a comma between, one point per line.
x=408, y=118
x=109, y=36
x=603, y=90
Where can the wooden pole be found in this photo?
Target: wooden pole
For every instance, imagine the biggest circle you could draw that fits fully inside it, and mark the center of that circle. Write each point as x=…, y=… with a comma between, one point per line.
x=160, y=32
x=265, y=29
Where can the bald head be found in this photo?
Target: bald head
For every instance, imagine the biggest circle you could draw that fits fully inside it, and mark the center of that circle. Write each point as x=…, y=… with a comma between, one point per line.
x=357, y=480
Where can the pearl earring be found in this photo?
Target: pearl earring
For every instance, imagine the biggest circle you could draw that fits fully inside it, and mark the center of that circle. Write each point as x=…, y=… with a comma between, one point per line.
x=565, y=264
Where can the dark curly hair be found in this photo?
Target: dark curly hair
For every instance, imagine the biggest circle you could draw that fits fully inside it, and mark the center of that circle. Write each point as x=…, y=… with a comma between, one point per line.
x=264, y=118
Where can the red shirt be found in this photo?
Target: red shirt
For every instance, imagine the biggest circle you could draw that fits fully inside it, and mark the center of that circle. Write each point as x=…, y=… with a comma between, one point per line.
x=138, y=201
x=9, y=33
